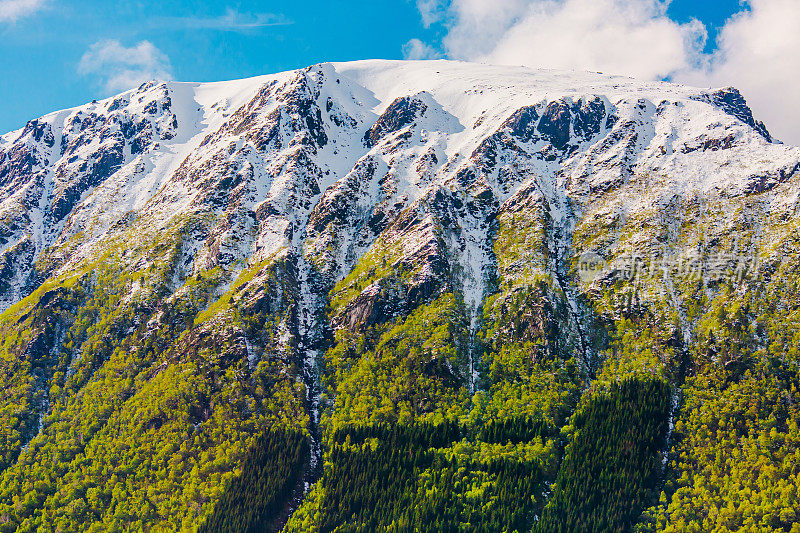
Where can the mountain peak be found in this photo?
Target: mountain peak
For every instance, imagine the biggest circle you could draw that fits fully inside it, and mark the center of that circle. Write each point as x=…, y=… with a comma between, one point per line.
x=84, y=170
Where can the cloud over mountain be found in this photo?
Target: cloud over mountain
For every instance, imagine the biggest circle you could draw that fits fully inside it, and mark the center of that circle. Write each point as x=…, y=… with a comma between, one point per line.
x=756, y=49
x=120, y=67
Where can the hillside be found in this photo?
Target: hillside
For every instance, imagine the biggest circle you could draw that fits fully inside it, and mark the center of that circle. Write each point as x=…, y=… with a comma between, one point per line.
x=401, y=296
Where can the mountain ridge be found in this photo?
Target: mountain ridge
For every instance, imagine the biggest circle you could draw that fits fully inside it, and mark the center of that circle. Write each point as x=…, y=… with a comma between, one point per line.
x=232, y=94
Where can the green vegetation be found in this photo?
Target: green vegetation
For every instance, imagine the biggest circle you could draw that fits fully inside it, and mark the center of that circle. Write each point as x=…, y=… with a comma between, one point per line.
x=141, y=397
x=414, y=478
x=612, y=463
x=134, y=414
x=527, y=367
x=271, y=470
x=381, y=261
x=735, y=464
x=408, y=447
x=412, y=369
x=735, y=461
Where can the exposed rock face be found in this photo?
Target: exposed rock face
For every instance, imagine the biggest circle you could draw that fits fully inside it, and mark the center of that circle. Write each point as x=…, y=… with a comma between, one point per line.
x=400, y=113
x=555, y=124
x=302, y=161
x=522, y=124
x=590, y=117
x=733, y=103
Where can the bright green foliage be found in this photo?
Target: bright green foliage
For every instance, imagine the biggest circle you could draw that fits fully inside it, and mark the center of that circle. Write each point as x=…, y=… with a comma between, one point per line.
x=521, y=246
x=736, y=459
x=639, y=348
x=381, y=261
x=485, y=474
x=527, y=345
x=138, y=397
x=728, y=345
x=408, y=448
x=411, y=369
x=527, y=369
x=146, y=412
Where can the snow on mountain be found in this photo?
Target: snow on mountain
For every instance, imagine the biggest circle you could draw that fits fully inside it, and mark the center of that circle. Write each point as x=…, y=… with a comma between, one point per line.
x=320, y=162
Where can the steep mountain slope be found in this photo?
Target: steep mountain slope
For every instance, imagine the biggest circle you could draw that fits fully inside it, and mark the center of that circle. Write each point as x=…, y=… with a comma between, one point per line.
x=446, y=280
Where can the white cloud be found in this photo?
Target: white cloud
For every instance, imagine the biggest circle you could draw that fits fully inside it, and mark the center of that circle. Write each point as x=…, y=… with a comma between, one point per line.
x=416, y=49
x=477, y=26
x=232, y=20
x=432, y=11
x=13, y=10
x=630, y=37
x=759, y=53
x=758, y=49
x=121, y=68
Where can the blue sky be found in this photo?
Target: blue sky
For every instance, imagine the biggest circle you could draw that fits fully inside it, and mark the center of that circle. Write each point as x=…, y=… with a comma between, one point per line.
x=51, y=52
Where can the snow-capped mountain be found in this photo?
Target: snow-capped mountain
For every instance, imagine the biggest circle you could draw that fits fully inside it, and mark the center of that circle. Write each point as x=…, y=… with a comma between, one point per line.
x=334, y=153
x=379, y=244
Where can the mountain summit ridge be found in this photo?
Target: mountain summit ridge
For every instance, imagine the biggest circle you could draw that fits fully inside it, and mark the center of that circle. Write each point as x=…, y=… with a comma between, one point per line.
x=147, y=134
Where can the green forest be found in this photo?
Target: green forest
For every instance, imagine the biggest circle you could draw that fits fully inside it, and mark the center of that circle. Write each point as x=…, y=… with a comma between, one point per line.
x=130, y=405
